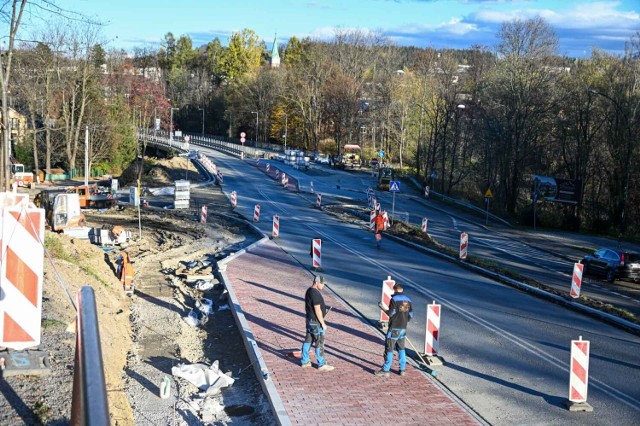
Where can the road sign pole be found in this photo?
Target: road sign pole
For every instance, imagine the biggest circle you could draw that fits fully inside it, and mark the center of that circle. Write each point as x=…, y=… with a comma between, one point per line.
x=393, y=206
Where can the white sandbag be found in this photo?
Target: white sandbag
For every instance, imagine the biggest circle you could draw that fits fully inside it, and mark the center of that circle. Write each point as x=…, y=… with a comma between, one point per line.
x=192, y=319
x=206, y=378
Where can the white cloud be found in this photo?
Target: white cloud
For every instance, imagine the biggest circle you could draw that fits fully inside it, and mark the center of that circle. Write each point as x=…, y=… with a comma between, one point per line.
x=585, y=15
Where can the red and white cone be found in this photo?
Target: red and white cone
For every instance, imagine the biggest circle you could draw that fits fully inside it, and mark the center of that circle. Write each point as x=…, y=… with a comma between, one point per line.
x=256, y=213
x=203, y=214
x=318, y=200
x=576, y=281
x=432, y=334
x=372, y=219
x=316, y=246
x=275, y=233
x=234, y=199
x=424, y=225
x=464, y=244
x=579, y=376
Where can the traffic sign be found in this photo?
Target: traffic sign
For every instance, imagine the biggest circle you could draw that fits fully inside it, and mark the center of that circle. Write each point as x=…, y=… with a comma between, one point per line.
x=488, y=194
x=242, y=140
x=187, y=138
x=381, y=154
x=243, y=135
x=394, y=186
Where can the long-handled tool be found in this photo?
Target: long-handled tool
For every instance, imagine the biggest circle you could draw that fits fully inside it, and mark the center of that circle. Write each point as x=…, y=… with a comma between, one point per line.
x=425, y=364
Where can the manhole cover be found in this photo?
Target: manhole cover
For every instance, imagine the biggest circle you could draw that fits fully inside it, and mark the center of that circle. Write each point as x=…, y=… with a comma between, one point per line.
x=239, y=410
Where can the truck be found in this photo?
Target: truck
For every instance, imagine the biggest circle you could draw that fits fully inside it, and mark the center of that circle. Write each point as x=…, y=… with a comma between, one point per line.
x=92, y=196
x=62, y=210
x=19, y=176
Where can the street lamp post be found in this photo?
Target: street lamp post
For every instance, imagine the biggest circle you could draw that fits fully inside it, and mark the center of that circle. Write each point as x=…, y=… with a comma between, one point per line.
x=202, y=120
x=256, y=113
x=286, y=117
x=171, y=125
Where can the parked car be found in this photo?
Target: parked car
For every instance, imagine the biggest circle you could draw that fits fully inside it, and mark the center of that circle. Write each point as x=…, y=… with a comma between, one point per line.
x=322, y=160
x=374, y=162
x=612, y=264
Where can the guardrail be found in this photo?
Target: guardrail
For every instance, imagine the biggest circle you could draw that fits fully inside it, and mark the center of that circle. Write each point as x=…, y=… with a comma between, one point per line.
x=89, y=404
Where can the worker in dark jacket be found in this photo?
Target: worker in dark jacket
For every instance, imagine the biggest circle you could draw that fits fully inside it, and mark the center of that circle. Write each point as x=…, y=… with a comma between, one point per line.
x=400, y=313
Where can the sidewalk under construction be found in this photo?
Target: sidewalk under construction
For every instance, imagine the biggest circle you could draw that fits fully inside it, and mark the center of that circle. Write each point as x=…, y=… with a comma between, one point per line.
x=266, y=288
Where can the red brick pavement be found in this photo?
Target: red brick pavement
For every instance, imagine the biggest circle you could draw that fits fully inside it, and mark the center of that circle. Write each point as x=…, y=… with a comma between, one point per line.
x=270, y=288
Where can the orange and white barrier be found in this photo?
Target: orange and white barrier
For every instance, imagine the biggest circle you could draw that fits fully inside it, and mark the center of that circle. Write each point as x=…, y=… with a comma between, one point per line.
x=311, y=187
x=220, y=180
x=426, y=191
x=464, y=244
x=234, y=199
x=285, y=180
x=203, y=214
x=387, y=292
x=576, y=281
x=316, y=247
x=579, y=375
x=372, y=219
x=318, y=200
x=424, y=225
x=256, y=213
x=386, y=220
x=268, y=168
x=432, y=329
x=275, y=233
x=21, y=278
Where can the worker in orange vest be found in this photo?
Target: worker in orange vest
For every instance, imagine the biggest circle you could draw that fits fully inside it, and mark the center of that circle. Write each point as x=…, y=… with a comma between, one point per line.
x=379, y=227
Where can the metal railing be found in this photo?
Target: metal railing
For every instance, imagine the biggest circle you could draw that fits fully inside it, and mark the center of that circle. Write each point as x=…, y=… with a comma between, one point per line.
x=89, y=404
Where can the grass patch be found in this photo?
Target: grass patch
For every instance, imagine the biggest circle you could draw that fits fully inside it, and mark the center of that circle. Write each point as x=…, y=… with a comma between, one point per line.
x=41, y=411
x=57, y=251
x=50, y=323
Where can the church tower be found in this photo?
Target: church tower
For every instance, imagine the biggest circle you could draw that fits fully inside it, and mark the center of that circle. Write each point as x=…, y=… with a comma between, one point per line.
x=275, y=56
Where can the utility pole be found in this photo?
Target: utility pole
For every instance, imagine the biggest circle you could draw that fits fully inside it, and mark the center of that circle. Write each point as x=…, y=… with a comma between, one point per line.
x=86, y=156
x=202, y=120
x=256, y=113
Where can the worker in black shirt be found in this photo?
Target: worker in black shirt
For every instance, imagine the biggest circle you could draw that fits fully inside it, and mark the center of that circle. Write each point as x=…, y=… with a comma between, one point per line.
x=315, y=311
x=400, y=313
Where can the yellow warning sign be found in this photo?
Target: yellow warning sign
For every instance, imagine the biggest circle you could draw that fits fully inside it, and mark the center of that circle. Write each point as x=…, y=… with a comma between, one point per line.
x=488, y=194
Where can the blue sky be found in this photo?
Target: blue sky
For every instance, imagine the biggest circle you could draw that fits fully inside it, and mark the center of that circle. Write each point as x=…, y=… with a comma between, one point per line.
x=579, y=25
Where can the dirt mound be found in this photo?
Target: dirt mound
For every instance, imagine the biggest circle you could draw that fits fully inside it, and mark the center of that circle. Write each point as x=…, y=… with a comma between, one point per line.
x=160, y=172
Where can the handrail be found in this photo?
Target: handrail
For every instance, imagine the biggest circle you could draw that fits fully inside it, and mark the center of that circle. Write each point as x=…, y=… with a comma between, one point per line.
x=89, y=404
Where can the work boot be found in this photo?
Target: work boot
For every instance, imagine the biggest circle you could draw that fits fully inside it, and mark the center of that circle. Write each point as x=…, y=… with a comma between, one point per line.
x=306, y=364
x=326, y=367
x=381, y=373
x=402, y=372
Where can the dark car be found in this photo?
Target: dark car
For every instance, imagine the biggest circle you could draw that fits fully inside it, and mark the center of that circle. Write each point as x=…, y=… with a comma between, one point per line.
x=612, y=264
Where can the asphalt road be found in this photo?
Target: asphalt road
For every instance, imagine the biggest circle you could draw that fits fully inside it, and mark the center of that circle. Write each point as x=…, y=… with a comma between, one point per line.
x=506, y=352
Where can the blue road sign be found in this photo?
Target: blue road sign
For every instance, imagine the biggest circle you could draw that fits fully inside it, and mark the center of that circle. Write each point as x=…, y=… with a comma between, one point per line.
x=394, y=186
x=381, y=154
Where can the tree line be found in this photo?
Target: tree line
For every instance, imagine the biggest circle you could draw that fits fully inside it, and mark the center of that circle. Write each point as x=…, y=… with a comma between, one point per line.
x=462, y=121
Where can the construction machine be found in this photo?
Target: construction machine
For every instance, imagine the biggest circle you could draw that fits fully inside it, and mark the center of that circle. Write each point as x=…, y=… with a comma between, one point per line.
x=385, y=176
x=20, y=177
x=62, y=210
